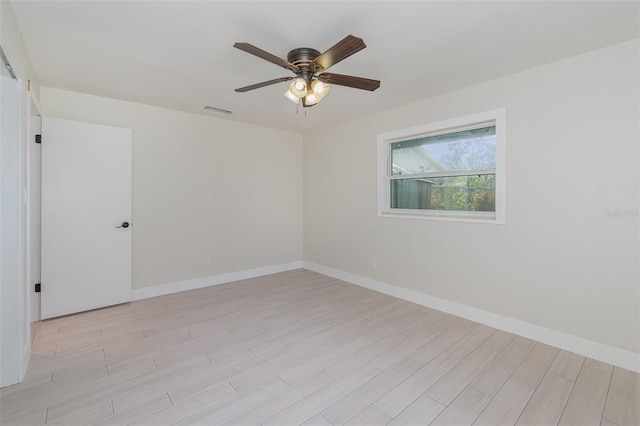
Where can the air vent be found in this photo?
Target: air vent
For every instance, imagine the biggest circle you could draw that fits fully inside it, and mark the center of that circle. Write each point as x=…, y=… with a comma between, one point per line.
x=220, y=110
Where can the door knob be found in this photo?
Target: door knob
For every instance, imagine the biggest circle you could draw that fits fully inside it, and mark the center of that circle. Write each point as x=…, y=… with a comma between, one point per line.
x=124, y=225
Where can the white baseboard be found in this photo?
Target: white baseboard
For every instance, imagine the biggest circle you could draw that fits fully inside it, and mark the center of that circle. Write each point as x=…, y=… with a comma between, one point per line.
x=599, y=351
x=160, y=290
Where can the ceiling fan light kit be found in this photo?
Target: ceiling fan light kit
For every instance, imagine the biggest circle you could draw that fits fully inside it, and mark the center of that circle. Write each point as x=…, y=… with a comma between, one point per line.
x=310, y=94
x=311, y=83
x=299, y=87
x=293, y=98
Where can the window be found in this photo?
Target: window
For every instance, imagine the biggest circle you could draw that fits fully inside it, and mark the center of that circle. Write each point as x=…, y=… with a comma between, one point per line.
x=451, y=170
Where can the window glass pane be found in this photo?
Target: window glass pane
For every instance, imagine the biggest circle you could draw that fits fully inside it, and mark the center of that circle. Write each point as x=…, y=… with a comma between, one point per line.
x=459, y=193
x=465, y=150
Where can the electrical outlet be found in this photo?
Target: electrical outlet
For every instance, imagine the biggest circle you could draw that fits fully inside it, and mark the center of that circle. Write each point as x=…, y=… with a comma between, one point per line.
x=373, y=263
x=207, y=260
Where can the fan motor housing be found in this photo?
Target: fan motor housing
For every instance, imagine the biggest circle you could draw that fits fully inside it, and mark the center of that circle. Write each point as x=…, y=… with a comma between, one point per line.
x=303, y=57
x=302, y=54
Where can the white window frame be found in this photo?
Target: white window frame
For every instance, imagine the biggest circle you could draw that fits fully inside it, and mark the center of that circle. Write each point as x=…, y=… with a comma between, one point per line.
x=495, y=117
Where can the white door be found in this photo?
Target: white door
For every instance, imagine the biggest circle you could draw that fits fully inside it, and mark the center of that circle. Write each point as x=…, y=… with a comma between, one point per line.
x=86, y=207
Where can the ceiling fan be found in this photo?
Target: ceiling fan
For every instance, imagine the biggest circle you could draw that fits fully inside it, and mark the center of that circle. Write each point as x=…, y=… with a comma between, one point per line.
x=311, y=82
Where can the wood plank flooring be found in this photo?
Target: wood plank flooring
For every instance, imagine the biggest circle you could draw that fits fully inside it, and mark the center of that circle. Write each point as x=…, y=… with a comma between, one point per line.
x=300, y=348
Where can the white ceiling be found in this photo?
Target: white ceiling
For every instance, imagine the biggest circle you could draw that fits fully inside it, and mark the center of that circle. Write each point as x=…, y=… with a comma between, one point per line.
x=180, y=55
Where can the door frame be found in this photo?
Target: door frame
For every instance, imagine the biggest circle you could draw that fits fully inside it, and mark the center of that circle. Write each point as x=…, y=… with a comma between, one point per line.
x=34, y=189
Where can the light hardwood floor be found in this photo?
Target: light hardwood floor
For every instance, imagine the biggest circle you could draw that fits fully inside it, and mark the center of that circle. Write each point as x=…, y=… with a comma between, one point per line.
x=300, y=348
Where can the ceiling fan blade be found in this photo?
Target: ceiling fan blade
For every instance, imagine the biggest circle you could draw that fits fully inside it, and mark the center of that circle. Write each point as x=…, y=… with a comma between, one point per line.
x=349, y=81
x=339, y=51
x=264, y=83
x=249, y=48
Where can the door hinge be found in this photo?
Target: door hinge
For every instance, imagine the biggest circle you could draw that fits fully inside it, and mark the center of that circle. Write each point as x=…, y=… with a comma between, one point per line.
x=37, y=287
x=38, y=138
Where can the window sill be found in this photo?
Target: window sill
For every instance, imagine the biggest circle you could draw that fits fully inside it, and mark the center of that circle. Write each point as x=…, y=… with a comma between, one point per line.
x=448, y=216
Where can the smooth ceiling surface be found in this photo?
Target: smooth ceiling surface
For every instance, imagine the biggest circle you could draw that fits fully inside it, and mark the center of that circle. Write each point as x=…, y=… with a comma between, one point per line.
x=180, y=55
